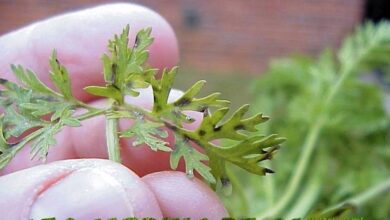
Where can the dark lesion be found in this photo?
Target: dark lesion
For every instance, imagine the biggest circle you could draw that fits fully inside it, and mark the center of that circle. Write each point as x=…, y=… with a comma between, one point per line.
x=225, y=181
x=267, y=170
x=182, y=102
x=202, y=132
x=239, y=127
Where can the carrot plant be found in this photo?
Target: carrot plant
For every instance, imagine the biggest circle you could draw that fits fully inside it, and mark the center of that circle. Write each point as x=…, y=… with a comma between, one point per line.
x=336, y=160
x=34, y=113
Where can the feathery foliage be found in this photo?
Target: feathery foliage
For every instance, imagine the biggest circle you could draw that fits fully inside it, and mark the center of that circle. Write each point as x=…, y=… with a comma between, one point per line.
x=34, y=113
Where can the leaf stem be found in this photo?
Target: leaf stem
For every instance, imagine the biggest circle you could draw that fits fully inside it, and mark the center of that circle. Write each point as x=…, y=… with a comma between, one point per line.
x=112, y=138
x=90, y=114
x=134, y=108
x=84, y=105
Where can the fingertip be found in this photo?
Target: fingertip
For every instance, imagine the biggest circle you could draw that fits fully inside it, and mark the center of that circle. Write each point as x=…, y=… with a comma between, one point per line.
x=98, y=195
x=180, y=196
x=81, y=189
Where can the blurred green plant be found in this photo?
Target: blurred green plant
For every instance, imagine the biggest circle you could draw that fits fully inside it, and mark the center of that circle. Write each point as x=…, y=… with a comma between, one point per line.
x=338, y=131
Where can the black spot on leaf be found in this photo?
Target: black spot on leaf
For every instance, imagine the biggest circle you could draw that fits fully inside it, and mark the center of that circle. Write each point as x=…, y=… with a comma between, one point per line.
x=266, y=170
x=182, y=102
x=225, y=181
x=239, y=127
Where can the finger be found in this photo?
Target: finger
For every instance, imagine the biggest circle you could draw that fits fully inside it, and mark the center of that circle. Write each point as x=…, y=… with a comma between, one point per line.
x=181, y=197
x=80, y=39
x=81, y=189
x=89, y=141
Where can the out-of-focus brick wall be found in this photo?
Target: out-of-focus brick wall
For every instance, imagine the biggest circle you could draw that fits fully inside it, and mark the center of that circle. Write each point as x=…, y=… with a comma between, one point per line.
x=225, y=36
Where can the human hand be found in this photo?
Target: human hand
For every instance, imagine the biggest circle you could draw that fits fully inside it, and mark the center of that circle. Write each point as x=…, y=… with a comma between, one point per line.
x=87, y=189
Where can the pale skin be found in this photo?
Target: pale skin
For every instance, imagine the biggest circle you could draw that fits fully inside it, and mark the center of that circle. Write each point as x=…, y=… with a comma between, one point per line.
x=92, y=188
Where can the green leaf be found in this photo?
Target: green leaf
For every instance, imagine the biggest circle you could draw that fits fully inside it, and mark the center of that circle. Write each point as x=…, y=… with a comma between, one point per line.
x=247, y=153
x=193, y=159
x=149, y=133
x=174, y=111
x=43, y=107
x=72, y=122
x=188, y=101
x=60, y=77
x=30, y=80
x=212, y=126
x=124, y=69
x=40, y=146
x=108, y=92
x=17, y=123
x=14, y=94
x=134, y=82
x=109, y=69
x=27, y=106
x=3, y=143
x=7, y=155
x=143, y=40
x=65, y=117
x=161, y=90
x=23, y=110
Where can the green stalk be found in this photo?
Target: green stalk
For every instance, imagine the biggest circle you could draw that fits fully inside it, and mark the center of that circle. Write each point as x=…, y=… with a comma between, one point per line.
x=113, y=139
x=300, y=170
x=90, y=114
x=363, y=197
x=306, y=199
x=84, y=105
x=112, y=135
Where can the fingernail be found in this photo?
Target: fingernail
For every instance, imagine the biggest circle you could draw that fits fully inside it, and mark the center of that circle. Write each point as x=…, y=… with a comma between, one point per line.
x=84, y=194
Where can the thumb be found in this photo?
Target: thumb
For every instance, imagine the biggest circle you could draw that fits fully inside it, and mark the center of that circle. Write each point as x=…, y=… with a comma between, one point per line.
x=79, y=189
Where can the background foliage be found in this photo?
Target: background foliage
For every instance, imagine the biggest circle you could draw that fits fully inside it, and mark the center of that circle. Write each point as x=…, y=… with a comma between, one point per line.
x=335, y=104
